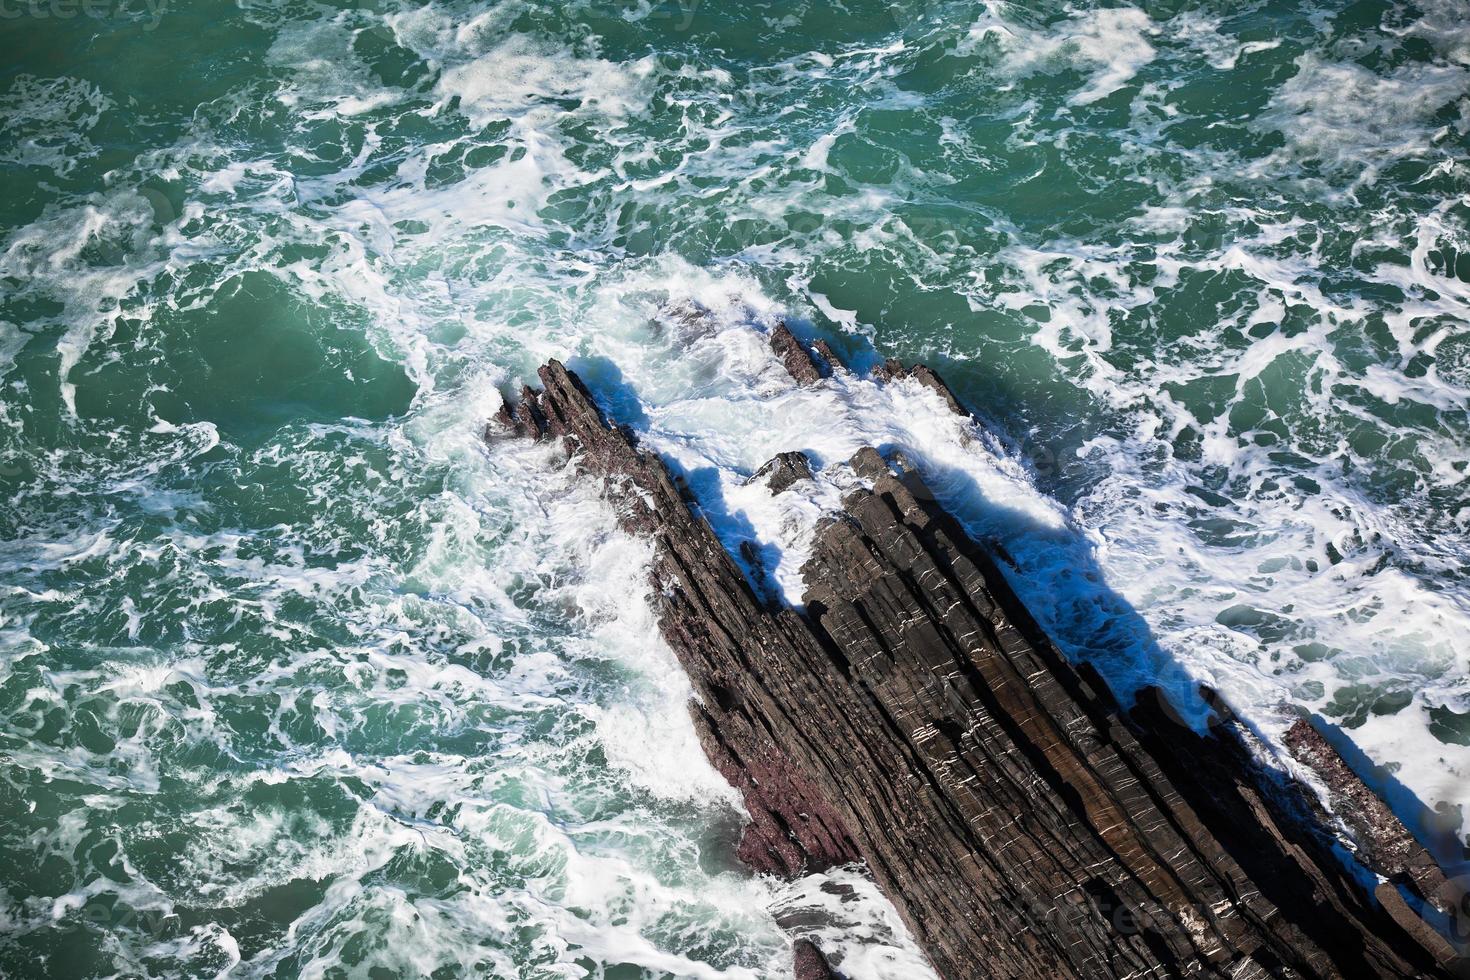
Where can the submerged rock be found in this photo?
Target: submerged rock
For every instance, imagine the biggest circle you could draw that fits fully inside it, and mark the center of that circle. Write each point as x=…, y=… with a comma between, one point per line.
x=916, y=718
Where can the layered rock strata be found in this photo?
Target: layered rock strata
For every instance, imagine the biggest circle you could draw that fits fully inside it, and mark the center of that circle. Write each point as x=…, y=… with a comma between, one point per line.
x=915, y=718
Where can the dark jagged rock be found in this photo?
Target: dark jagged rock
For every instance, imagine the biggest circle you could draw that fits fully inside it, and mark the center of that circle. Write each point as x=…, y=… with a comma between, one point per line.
x=797, y=359
x=1392, y=900
x=501, y=422
x=1098, y=850
x=916, y=718
x=782, y=472
x=713, y=619
x=810, y=963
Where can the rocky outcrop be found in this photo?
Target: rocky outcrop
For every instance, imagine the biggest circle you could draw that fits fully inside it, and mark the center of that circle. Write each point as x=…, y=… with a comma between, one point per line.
x=717, y=624
x=914, y=717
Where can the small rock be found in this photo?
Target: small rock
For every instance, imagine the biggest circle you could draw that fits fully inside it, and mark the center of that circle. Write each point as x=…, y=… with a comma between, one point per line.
x=1384, y=844
x=810, y=963
x=520, y=418
x=782, y=472
x=501, y=422
x=868, y=464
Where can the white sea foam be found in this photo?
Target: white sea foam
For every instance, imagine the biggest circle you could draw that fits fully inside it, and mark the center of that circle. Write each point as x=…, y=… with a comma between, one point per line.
x=474, y=683
x=850, y=918
x=1440, y=23
x=1112, y=43
x=1202, y=32
x=517, y=78
x=1235, y=591
x=326, y=75
x=1343, y=115
x=55, y=259
x=47, y=122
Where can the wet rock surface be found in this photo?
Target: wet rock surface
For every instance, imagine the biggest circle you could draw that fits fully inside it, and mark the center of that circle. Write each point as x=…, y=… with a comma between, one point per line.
x=1383, y=843
x=915, y=718
x=794, y=356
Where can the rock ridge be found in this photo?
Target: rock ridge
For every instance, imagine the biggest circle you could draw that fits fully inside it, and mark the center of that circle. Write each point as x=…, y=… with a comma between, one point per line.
x=917, y=719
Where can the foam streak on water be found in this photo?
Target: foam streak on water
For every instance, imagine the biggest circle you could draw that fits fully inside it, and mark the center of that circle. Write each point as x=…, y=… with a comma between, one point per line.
x=300, y=677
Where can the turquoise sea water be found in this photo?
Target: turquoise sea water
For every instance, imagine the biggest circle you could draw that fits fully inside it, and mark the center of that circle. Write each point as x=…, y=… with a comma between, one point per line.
x=299, y=677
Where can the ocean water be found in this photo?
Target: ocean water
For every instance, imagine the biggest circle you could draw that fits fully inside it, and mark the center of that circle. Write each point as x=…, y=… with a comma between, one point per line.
x=299, y=677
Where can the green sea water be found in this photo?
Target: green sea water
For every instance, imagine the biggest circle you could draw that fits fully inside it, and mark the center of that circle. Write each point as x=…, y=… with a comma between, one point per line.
x=300, y=676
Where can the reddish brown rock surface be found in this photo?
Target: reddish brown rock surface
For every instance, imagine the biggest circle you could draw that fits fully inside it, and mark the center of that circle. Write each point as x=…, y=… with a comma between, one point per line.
x=810, y=963
x=1384, y=844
